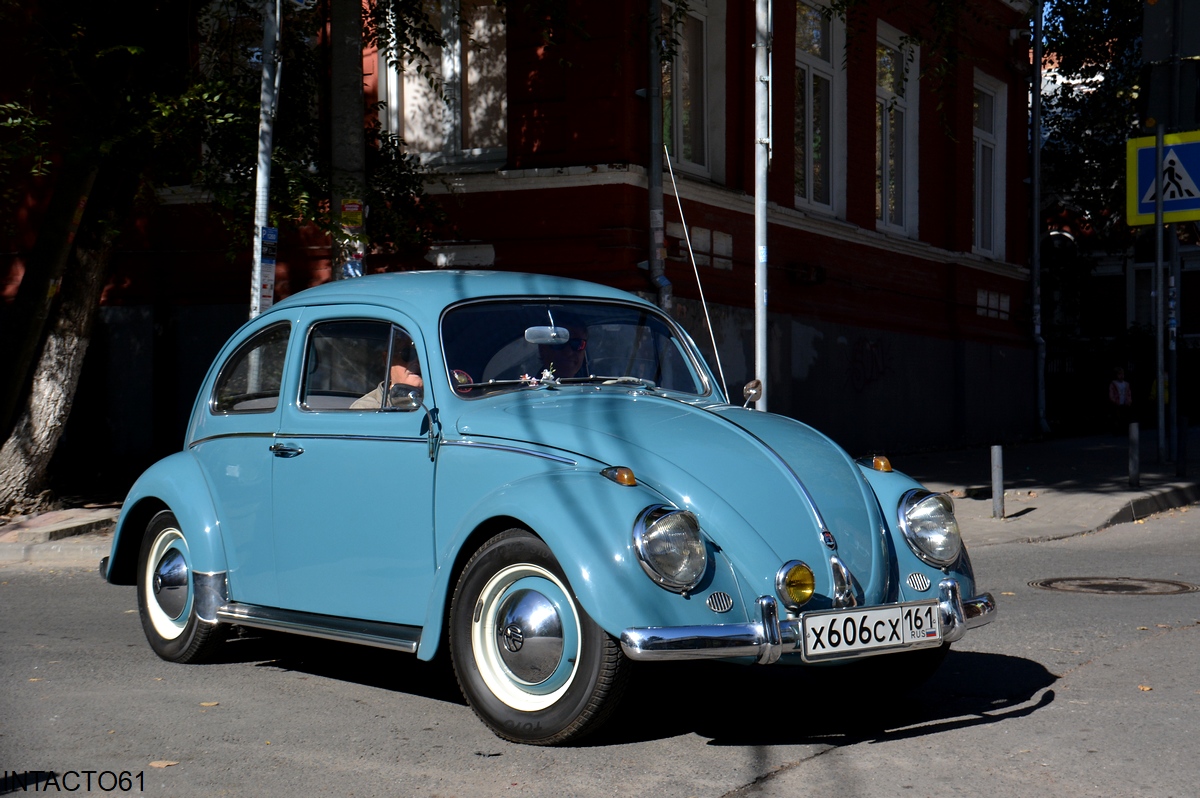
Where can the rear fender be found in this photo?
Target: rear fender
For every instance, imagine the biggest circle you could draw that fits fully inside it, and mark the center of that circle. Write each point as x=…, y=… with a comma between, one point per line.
x=175, y=483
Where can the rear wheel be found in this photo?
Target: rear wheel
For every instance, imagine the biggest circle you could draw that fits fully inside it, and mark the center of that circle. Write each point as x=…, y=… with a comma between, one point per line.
x=167, y=595
x=530, y=662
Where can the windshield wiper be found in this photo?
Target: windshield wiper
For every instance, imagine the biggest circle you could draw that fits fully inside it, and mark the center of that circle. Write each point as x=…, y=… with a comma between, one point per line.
x=638, y=381
x=528, y=383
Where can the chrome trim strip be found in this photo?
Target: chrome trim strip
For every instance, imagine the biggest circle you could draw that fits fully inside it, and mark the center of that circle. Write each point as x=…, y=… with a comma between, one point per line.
x=341, y=437
x=219, y=436
x=514, y=449
x=768, y=639
x=347, y=630
x=309, y=436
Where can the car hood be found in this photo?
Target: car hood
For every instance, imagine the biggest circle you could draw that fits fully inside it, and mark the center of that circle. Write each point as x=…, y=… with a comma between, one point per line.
x=757, y=481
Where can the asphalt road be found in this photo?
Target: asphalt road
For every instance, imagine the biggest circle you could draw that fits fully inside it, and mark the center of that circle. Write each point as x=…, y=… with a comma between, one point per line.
x=1067, y=694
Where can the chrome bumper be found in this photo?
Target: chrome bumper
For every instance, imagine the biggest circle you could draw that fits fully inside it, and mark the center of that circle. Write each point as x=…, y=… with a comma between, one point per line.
x=768, y=639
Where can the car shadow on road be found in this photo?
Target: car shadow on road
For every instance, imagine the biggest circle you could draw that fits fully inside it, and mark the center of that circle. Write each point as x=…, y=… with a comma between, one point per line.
x=365, y=665
x=731, y=705
x=734, y=705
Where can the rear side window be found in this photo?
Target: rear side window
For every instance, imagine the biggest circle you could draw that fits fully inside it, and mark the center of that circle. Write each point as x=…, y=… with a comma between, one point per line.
x=249, y=381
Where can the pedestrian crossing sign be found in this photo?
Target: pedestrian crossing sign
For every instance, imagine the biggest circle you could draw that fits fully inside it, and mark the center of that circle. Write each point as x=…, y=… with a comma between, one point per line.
x=1180, y=170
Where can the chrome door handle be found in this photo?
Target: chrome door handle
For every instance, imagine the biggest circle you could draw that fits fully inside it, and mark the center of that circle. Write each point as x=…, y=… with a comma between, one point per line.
x=285, y=450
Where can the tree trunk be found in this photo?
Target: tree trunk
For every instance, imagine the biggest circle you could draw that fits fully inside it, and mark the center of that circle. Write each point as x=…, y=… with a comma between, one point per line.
x=31, y=310
x=25, y=456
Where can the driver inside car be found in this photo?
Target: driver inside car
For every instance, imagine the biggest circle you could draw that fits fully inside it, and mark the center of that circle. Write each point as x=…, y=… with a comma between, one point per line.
x=569, y=359
x=403, y=376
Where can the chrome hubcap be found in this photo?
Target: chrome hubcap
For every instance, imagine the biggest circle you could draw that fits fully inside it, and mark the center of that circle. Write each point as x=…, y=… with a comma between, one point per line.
x=529, y=632
x=170, y=583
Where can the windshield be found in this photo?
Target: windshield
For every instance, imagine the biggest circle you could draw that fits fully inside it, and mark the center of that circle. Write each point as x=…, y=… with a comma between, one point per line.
x=512, y=345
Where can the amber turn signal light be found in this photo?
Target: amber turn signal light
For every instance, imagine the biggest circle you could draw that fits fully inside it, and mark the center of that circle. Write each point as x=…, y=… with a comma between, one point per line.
x=622, y=475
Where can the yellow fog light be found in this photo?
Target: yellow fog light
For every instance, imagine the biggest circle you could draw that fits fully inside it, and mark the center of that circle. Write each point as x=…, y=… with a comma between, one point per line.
x=795, y=584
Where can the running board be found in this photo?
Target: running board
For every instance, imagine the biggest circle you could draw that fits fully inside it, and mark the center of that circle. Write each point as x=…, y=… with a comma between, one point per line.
x=329, y=627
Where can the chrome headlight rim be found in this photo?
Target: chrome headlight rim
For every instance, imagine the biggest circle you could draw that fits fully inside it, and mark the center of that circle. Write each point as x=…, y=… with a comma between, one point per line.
x=781, y=580
x=642, y=527
x=908, y=502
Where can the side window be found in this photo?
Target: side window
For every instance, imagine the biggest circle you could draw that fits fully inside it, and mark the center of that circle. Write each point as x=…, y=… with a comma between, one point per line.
x=352, y=365
x=249, y=381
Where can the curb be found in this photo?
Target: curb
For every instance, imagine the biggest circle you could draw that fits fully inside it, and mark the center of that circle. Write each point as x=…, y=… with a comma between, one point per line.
x=1178, y=495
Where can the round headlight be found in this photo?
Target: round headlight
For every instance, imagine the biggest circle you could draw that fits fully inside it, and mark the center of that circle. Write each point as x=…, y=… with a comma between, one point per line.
x=795, y=584
x=927, y=520
x=669, y=547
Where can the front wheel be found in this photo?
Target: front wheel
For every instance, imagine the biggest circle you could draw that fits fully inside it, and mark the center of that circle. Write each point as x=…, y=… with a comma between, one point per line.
x=530, y=662
x=167, y=595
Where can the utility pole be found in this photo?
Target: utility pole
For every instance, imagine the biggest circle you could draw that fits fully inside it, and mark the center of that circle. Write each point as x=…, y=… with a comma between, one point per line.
x=349, y=140
x=262, y=280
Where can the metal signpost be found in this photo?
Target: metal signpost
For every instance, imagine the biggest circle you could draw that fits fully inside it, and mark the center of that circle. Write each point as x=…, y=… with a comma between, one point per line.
x=1161, y=187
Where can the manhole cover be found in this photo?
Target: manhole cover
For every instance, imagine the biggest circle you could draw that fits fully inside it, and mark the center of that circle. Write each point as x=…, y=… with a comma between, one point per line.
x=1115, y=584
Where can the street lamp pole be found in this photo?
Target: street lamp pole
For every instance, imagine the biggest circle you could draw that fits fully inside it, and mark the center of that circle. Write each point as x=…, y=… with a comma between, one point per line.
x=762, y=154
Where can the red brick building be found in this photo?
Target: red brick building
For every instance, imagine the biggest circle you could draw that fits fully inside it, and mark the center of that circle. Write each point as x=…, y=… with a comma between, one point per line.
x=897, y=229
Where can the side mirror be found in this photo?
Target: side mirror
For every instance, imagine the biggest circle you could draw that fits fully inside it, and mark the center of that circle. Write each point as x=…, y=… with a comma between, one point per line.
x=403, y=397
x=752, y=392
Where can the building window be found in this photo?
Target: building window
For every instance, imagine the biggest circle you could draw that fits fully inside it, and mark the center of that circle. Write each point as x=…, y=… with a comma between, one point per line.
x=471, y=122
x=988, y=126
x=992, y=304
x=684, y=89
x=813, y=129
x=895, y=131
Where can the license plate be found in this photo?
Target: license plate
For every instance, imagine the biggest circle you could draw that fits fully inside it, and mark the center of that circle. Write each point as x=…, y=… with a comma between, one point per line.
x=846, y=633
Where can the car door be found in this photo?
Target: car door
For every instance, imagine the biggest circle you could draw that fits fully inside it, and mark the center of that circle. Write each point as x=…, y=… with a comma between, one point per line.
x=230, y=437
x=353, y=476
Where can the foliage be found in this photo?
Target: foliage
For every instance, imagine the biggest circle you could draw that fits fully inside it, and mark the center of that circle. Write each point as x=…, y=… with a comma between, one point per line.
x=1093, y=58
x=168, y=94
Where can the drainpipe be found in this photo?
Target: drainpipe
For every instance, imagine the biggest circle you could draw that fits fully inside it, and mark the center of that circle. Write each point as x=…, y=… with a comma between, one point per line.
x=1036, y=255
x=654, y=169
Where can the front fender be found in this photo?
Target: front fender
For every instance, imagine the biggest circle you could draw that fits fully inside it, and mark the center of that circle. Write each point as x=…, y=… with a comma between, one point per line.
x=175, y=483
x=587, y=521
x=889, y=488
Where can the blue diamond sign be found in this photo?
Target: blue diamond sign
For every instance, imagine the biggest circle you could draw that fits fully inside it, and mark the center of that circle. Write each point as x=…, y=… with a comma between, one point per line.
x=1180, y=170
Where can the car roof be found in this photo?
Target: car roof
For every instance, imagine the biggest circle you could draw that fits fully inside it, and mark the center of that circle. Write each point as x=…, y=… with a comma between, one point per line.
x=433, y=290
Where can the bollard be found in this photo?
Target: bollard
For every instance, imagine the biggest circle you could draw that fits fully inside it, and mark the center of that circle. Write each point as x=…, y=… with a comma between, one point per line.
x=1135, y=456
x=997, y=482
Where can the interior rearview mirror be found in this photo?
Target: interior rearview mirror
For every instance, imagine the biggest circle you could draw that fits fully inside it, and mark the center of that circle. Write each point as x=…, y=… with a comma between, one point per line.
x=547, y=335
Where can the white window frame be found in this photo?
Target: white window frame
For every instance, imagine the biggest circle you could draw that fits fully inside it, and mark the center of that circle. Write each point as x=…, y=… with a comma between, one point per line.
x=910, y=54
x=395, y=79
x=711, y=14
x=996, y=139
x=835, y=71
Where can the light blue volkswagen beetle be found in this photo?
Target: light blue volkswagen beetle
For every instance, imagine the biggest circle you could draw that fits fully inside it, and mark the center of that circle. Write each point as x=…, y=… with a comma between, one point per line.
x=541, y=474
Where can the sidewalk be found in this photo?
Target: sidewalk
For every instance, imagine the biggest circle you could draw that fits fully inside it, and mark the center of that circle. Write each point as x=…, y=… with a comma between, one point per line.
x=1052, y=489
x=1056, y=488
